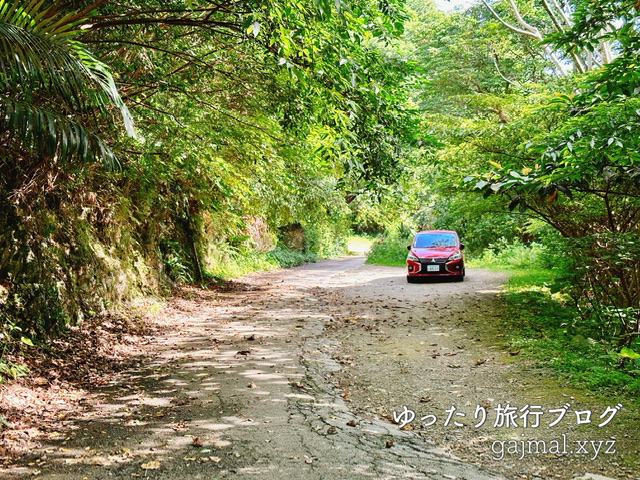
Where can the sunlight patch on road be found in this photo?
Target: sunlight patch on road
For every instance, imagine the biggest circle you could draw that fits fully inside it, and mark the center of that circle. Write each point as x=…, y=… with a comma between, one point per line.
x=489, y=292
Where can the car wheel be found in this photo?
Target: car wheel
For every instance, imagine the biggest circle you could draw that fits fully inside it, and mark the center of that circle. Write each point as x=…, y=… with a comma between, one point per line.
x=411, y=279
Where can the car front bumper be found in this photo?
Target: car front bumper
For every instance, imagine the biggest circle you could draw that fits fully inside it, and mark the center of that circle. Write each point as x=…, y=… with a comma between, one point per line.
x=435, y=268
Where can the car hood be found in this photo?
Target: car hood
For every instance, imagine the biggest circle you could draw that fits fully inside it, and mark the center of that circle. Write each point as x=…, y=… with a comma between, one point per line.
x=439, y=252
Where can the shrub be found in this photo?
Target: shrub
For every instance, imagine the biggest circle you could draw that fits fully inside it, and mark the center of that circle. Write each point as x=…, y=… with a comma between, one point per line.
x=391, y=251
x=504, y=254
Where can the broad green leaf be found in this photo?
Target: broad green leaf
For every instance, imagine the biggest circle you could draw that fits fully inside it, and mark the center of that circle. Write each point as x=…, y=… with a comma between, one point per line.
x=629, y=353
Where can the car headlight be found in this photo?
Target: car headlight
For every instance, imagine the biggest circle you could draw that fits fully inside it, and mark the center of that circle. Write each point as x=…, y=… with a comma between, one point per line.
x=455, y=256
x=413, y=257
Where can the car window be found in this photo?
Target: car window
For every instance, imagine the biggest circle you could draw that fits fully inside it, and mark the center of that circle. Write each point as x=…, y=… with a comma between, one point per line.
x=435, y=240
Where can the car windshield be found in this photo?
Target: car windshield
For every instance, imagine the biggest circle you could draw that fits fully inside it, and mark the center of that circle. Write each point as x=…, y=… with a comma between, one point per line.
x=435, y=240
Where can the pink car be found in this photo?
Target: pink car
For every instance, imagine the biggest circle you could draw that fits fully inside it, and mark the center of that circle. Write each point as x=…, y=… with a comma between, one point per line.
x=435, y=254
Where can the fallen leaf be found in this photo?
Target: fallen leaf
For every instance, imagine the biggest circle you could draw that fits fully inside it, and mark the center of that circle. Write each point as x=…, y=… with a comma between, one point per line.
x=152, y=465
x=197, y=442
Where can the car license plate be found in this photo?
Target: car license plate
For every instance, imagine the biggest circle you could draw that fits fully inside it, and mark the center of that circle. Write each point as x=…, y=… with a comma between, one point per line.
x=433, y=268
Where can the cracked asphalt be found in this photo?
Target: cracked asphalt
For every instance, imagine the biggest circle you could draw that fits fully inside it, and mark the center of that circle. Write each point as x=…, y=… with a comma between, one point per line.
x=246, y=385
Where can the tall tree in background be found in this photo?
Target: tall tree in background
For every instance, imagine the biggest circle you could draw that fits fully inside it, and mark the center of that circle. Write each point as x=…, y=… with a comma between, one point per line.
x=476, y=79
x=582, y=175
x=548, y=17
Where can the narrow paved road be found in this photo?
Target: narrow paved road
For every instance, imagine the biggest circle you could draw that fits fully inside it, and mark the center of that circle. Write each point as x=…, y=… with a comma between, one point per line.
x=273, y=382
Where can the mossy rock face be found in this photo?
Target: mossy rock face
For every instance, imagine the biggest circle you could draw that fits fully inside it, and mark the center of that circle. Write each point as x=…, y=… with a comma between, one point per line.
x=15, y=254
x=38, y=309
x=40, y=264
x=262, y=239
x=58, y=265
x=293, y=237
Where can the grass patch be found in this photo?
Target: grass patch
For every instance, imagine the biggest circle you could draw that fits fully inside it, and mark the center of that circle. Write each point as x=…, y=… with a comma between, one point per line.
x=543, y=325
x=504, y=255
x=242, y=261
x=389, y=251
x=285, y=258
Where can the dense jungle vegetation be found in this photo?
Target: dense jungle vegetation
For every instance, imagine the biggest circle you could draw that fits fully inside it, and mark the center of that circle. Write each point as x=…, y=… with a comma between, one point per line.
x=146, y=143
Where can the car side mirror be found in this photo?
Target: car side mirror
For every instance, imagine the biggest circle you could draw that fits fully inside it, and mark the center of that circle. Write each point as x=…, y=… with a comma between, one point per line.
x=408, y=247
x=462, y=246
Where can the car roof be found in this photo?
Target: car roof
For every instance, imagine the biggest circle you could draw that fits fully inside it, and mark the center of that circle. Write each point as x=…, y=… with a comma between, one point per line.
x=436, y=231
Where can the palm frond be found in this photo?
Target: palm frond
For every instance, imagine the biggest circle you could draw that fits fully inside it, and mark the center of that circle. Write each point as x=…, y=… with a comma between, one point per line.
x=54, y=135
x=40, y=59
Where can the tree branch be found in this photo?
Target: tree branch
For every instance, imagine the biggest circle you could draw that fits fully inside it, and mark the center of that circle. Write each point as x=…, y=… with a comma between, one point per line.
x=565, y=18
x=554, y=19
x=83, y=14
x=534, y=32
x=552, y=56
x=508, y=25
x=495, y=62
x=178, y=21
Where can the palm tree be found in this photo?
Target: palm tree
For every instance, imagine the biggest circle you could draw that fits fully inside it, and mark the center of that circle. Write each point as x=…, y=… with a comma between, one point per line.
x=53, y=91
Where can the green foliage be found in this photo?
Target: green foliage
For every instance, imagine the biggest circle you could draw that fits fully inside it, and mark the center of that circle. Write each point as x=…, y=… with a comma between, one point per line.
x=574, y=164
x=546, y=327
x=175, y=262
x=628, y=353
x=585, y=185
x=243, y=260
x=11, y=371
x=286, y=258
x=359, y=244
x=479, y=223
x=390, y=250
x=327, y=239
x=600, y=20
x=52, y=86
x=41, y=305
x=250, y=116
x=514, y=255
x=474, y=79
x=9, y=333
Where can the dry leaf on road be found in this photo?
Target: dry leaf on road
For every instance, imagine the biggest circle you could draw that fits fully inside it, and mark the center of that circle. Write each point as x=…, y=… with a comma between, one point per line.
x=152, y=465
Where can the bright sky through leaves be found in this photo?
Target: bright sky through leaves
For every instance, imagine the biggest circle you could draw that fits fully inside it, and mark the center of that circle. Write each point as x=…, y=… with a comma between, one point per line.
x=447, y=5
